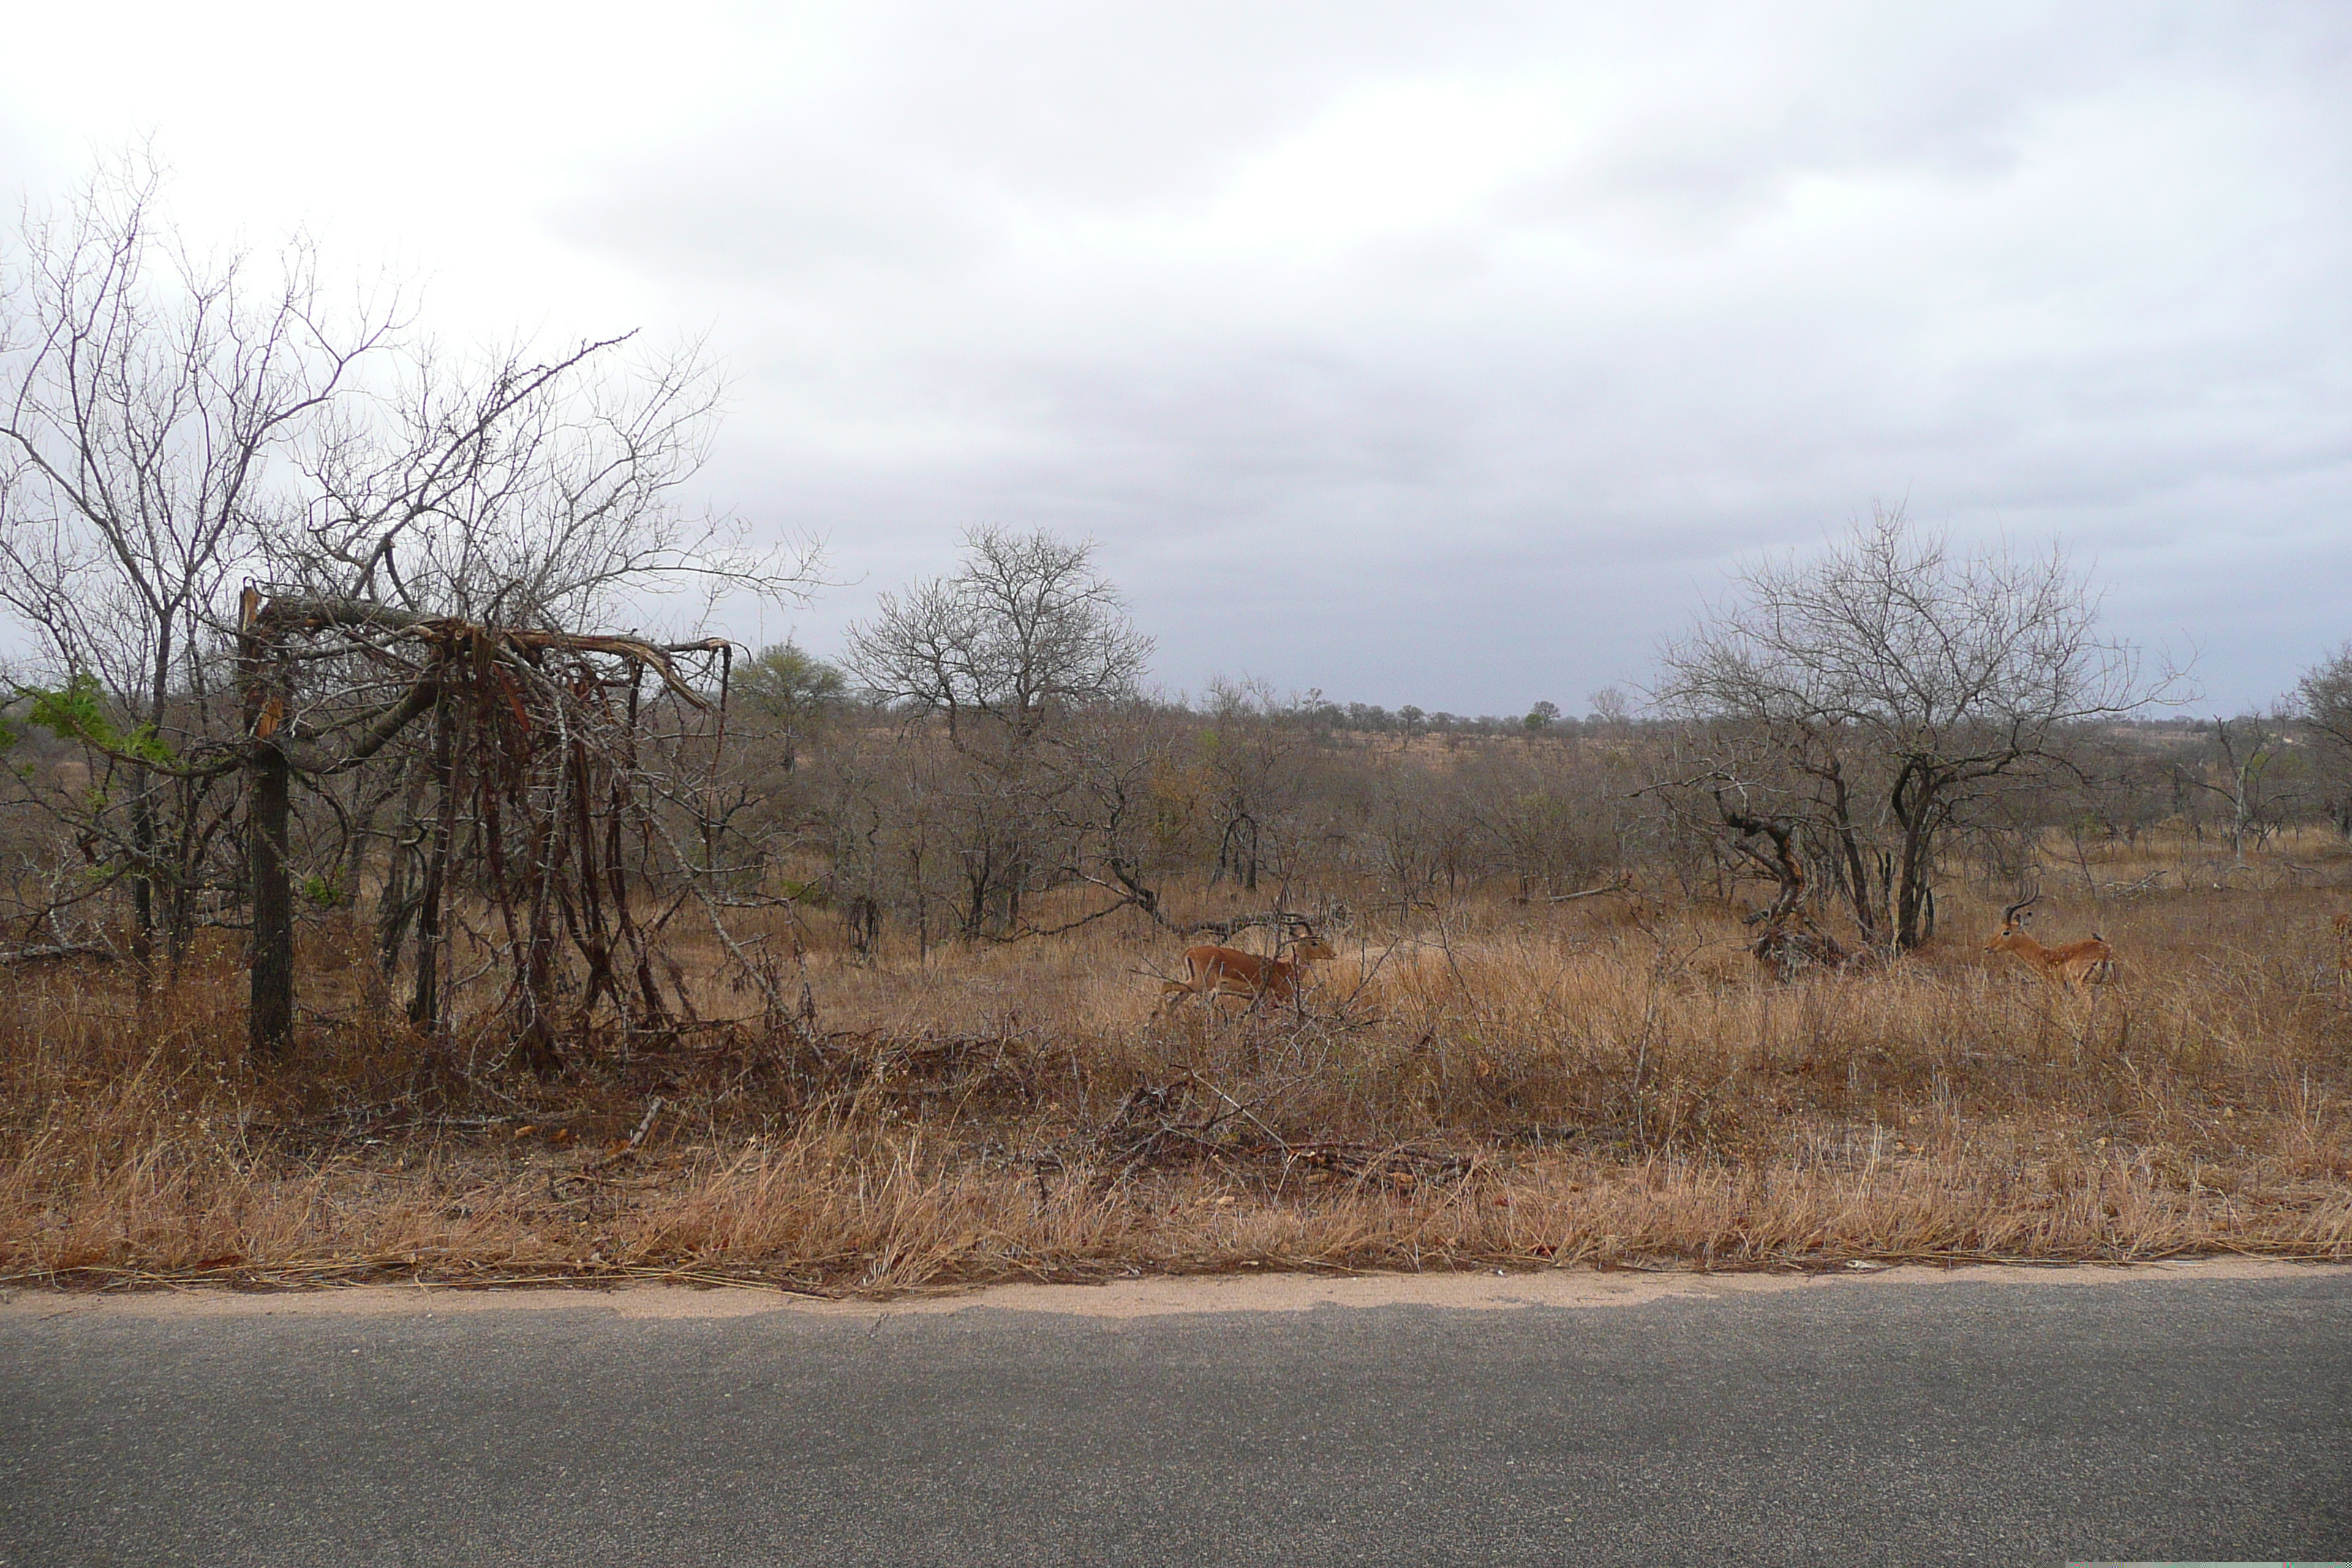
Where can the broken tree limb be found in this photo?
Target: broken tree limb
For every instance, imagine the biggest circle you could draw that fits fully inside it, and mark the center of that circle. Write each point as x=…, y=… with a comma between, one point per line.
x=51, y=953
x=1621, y=888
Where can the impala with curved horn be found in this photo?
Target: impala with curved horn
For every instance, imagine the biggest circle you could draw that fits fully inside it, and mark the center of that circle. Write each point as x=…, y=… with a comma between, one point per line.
x=1214, y=971
x=2074, y=964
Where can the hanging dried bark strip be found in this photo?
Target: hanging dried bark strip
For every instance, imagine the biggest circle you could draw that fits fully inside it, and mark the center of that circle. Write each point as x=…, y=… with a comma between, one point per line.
x=547, y=787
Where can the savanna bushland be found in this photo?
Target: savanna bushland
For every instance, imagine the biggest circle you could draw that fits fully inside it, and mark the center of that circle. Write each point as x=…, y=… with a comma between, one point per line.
x=379, y=901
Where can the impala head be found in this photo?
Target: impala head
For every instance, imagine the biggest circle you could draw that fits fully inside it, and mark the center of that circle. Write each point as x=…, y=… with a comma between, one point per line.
x=1304, y=942
x=2013, y=922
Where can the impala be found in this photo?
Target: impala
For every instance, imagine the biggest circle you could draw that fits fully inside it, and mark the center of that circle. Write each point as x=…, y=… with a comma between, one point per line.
x=1214, y=972
x=2073, y=965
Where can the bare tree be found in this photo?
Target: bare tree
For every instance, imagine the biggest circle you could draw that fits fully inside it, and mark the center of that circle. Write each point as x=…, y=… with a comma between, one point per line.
x=151, y=403
x=522, y=490
x=1549, y=816
x=1255, y=747
x=1877, y=692
x=1121, y=815
x=2244, y=750
x=1024, y=634
x=1027, y=626
x=2323, y=702
x=256, y=541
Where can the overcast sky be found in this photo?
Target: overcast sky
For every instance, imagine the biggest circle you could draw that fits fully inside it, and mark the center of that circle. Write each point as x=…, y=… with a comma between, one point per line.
x=1444, y=355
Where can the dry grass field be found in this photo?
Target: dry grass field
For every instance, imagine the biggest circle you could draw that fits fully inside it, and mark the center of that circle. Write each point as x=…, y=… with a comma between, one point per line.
x=1488, y=1085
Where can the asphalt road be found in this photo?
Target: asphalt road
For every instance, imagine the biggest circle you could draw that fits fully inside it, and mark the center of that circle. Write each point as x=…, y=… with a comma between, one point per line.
x=2155, y=1417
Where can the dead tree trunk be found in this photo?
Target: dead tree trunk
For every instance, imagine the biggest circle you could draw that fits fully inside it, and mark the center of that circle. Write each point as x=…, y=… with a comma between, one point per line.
x=269, y=1029
x=425, y=1002
x=1790, y=943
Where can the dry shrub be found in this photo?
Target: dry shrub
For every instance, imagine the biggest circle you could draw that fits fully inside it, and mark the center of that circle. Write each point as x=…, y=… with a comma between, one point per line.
x=1506, y=1086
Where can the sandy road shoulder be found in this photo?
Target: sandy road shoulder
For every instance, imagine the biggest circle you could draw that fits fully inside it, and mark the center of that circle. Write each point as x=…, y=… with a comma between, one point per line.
x=1124, y=1299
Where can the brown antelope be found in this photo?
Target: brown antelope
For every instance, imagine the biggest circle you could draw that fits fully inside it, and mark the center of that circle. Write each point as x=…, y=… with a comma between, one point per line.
x=1214, y=972
x=2073, y=965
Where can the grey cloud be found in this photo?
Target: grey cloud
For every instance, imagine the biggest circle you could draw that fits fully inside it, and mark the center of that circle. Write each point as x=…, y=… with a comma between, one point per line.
x=2049, y=271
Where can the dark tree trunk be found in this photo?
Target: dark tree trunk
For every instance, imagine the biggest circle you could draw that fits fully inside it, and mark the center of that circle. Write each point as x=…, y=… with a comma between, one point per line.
x=425, y=1003
x=1918, y=804
x=1853, y=872
x=395, y=908
x=143, y=886
x=1914, y=909
x=271, y=1028
x=270, y=1025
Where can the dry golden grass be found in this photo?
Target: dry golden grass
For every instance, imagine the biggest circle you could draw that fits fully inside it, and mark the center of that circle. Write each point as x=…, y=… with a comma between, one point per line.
x=1502, y=1086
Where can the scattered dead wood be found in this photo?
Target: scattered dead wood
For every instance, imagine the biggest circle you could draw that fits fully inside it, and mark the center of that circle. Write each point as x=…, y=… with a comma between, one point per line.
x=1151, y=1126
x=53, y=952
x=1621, y=888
